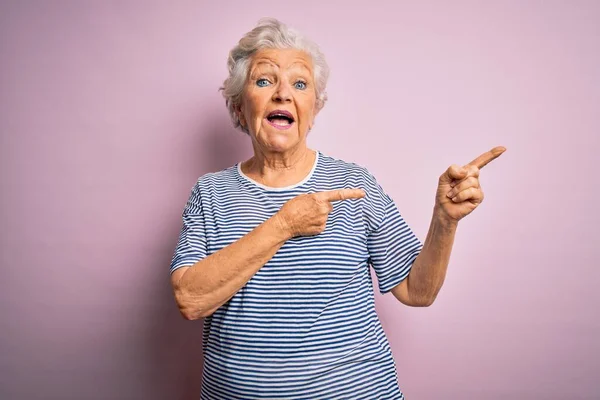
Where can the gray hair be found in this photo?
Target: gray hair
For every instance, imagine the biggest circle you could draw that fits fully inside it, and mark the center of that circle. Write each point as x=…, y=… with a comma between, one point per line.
x=269, y=34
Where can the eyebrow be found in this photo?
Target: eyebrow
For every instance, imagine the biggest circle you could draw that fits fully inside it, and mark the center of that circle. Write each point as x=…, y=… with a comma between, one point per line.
x=257, y=70
x=271, y=63
x=302, y=64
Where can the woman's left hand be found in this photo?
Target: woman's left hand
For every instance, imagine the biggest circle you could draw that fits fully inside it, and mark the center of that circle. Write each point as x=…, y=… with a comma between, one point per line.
x=459, y=191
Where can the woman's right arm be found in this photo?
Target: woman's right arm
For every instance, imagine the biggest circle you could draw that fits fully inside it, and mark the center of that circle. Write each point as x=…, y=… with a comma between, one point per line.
x=202, y=288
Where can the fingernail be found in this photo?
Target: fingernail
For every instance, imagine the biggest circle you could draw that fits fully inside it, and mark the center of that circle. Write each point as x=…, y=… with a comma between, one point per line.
x=455, y=199
x=451, y=193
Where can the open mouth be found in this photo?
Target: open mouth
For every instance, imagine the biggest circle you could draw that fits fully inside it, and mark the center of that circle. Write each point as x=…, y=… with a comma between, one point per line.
x=280, y=119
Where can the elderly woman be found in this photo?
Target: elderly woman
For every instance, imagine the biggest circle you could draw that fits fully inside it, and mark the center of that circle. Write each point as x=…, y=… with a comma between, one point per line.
x=275, y=251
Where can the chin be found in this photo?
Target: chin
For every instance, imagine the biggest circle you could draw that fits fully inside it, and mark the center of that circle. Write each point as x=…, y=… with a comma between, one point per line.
x=282, y=146
x=282, y=140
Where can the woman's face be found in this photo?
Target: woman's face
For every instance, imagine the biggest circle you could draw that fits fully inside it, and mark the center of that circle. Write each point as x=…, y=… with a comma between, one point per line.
x=279, y=102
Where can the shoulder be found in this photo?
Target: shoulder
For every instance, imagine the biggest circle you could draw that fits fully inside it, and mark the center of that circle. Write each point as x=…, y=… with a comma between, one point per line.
x=211, y=181
x=335, y=165
x=353, y=174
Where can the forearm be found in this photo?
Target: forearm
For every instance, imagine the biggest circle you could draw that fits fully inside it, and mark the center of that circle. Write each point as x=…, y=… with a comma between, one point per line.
x=212, y=281
x=429, y=269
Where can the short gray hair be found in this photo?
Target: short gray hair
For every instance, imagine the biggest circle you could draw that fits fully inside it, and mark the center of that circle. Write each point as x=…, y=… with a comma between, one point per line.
x=269, y=33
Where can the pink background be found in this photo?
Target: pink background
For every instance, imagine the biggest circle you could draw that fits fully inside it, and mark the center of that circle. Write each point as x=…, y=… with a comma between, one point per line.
x=109, y=112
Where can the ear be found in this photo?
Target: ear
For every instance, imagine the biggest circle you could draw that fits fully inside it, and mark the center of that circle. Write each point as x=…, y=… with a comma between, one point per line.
x=240, y=115
x=312, y=122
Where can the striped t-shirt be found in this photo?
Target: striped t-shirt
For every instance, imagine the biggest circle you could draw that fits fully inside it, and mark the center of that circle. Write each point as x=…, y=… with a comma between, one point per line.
x=304, y=326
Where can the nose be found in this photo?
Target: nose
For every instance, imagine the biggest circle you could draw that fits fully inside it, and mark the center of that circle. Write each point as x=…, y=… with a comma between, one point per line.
x=283, y=93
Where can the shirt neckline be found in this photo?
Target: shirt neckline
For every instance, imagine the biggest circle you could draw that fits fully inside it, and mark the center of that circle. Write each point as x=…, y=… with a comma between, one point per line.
x=281, y=189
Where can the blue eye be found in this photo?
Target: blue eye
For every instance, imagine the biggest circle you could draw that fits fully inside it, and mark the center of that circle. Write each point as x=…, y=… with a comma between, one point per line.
x=300, y=85
x=262, y=82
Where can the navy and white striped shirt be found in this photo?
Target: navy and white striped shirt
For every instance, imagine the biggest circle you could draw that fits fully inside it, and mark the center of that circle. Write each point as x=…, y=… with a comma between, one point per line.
x=304, y=326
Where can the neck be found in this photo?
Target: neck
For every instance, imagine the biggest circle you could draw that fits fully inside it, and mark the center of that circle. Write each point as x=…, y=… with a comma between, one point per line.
x=279, y=169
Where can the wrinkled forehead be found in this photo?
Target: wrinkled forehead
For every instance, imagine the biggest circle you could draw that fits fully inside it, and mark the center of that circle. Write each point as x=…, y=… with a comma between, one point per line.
x=281, y=60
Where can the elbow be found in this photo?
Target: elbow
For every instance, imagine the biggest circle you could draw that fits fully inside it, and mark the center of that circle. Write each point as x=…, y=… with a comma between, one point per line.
x=190, y=314
x=194, y=313
x=424, y=302
x=192, y=309
x=425, y=297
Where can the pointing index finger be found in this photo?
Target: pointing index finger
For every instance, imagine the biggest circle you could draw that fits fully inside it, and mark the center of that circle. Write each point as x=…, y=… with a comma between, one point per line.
x=487, y=157
x=341, y=194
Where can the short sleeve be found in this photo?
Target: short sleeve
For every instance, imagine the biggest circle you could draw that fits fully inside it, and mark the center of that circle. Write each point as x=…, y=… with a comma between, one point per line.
x=191, y=246
x=391, y=243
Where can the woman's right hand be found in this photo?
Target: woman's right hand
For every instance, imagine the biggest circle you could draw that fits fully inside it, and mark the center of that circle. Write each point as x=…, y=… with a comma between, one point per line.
x=306, y=214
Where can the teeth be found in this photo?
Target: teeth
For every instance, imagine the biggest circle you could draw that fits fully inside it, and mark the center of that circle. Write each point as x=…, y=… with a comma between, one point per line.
x=280, y=117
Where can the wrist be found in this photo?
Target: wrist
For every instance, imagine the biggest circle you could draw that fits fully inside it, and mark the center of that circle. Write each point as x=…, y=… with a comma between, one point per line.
x=441, y=217
x=281, y=227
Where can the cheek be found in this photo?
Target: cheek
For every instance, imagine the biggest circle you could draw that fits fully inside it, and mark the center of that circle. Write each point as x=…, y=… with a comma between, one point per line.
x=247, y=98
x=307, y=110
x=308, y=117
x=249, y=110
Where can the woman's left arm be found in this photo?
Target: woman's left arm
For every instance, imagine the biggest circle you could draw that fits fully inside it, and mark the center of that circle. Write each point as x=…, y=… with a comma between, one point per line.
x=458, y=194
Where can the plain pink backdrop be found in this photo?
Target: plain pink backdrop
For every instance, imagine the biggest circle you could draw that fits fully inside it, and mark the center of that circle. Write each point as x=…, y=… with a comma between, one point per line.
x=109, y=112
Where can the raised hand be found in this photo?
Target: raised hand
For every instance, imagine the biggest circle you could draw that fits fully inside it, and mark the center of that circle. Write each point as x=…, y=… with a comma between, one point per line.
x=459, y=191
x=306, y=214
